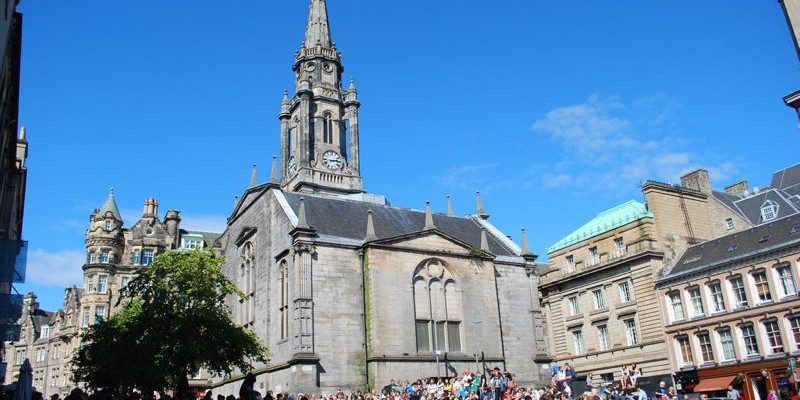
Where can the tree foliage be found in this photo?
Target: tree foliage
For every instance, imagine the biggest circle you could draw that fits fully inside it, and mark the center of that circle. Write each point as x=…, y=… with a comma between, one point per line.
x=173, y=321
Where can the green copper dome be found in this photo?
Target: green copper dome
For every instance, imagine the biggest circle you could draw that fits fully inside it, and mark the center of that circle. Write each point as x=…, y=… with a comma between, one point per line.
x=608, y=220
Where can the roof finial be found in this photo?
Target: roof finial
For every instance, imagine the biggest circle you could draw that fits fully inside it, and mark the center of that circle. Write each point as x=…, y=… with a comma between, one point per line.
x=525, y=249
x=111, y=192
x=317, y=30
x=23, y=136
x=274, y=176
x=370, y=228
x=484, y=240
x=235, y=201
x=301, y=215
x=253, y=180
x=428, y=217
x=479, y=207
x=449, y=206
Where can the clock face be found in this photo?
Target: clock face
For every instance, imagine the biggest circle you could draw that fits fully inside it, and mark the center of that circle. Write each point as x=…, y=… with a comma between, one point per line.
x=292, y=167
x=331, y=160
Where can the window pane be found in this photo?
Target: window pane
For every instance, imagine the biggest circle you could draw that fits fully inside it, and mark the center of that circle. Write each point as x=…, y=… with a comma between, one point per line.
x=440, y=337
x=762, y=286
x=423, y=340
x=602, y=335
x=728, y=350
x=454, y=336
x=750, y=343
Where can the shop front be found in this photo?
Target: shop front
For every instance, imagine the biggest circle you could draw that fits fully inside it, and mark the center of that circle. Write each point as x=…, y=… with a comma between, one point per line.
x=754, y=380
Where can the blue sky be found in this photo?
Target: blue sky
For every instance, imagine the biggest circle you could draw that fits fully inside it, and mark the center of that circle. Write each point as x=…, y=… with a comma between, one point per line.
x=555, y=111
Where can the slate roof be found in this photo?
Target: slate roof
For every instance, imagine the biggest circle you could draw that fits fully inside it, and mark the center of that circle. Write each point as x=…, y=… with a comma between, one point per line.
x=348, y=219
x=606, y=221
x=738, y=245
x=110, y=206
x=786, y=177
x=40, y=318
x=784, y=191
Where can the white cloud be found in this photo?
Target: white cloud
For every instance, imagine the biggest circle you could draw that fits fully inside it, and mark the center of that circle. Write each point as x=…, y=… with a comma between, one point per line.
x=609, y=146
x=55, y=269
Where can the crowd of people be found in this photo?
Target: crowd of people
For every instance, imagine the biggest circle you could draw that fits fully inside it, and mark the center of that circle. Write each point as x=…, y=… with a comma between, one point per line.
x=494, y=385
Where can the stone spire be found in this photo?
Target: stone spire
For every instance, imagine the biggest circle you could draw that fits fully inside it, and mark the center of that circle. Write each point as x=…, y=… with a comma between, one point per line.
x=484, y=241
x=525, y=249
x=274, y=175
x=110, y=206
x=449, y=206
x=370, y=228
x=301, y=215
x=253, y=177
x=317, y=30
x=428, y=217
x=479, y=207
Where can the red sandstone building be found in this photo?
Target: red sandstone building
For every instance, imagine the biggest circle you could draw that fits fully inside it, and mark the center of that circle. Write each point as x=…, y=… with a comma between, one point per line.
x=732, y=312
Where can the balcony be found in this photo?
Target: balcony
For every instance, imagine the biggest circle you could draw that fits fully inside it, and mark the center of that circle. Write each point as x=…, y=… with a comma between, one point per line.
x=13, y=260
x=11, y=306
x=604, y=259
x=9, y=332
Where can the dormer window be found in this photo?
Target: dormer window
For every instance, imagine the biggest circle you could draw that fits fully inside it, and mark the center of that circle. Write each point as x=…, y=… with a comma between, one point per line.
x=769, y=211
x=45, y=332
x=108, y=226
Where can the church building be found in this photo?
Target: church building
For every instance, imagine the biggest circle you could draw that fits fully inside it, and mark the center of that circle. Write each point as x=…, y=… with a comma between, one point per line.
x=348, y=291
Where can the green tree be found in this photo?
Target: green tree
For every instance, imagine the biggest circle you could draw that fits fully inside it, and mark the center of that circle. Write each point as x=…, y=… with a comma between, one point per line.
x=173, y=321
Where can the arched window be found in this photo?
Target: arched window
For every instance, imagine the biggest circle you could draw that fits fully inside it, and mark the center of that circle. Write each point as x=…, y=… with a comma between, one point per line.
x=327, y=128
x=283, y=281
x=247, y=283
x=437, y=306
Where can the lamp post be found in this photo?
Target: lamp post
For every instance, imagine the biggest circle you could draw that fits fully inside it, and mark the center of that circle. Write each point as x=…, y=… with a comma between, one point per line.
x=475, y=323
x=436, y=345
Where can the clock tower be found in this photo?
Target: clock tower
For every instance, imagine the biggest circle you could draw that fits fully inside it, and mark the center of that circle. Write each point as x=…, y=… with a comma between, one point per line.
x=319, y=124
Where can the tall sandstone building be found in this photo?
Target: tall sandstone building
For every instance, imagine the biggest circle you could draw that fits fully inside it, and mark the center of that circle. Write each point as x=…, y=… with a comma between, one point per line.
x=349, y=291
x=600, y=304
x=114, y=254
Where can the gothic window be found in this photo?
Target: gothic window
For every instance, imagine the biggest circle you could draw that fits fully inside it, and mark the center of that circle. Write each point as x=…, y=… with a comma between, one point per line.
x=437, y=306
x=247, y=285
x=283, y=281
x=327, y=128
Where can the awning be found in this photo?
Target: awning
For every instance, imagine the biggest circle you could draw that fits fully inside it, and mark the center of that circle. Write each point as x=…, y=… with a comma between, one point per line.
x=714, y=384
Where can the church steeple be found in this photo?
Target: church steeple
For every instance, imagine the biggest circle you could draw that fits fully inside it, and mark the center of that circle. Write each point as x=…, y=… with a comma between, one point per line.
x=319, y=124
x=317, y=30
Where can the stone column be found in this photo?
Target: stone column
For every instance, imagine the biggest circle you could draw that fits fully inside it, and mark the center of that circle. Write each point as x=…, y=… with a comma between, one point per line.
x=352, y=118
x=303, y=302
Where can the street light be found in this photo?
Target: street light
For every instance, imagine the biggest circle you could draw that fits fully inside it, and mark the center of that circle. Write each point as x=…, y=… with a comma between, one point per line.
x=436, y=345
